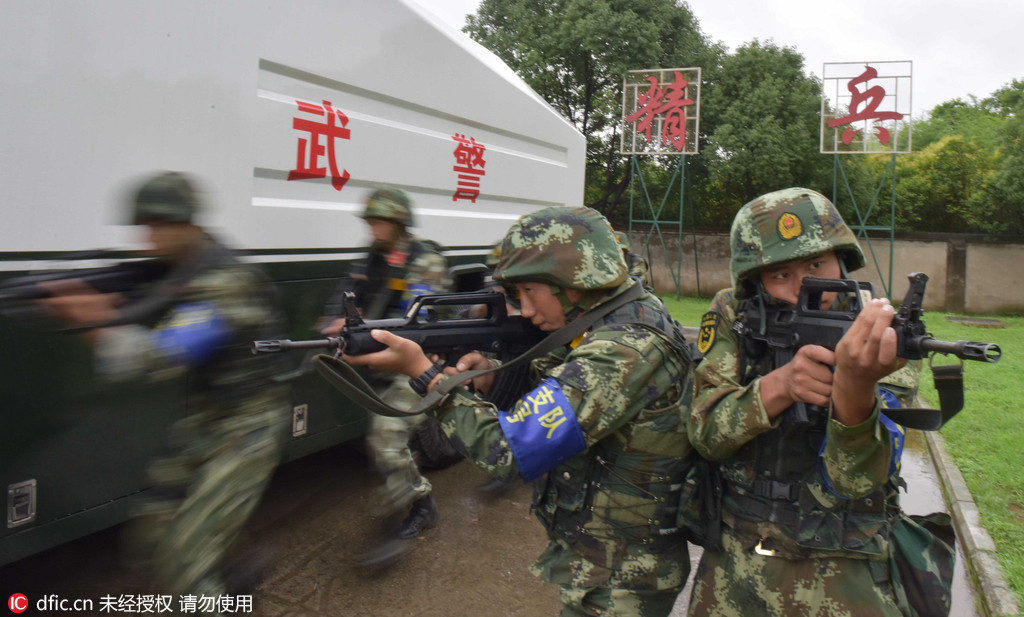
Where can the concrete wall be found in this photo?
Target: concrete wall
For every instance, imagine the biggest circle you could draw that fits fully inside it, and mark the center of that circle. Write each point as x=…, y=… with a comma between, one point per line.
x=964, y=276
x=995, y=278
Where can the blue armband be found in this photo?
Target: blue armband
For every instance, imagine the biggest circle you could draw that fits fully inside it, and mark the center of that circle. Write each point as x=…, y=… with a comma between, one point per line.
x=542, y=430
x=413, y=292
x=896, y=432
x=192, y=333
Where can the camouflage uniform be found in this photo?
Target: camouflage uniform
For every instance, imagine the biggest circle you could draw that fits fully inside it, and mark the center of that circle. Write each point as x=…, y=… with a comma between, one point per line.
x=385, y=284
x=609, y=500
x=806, y=526
x=219, y=457
x=635, y=262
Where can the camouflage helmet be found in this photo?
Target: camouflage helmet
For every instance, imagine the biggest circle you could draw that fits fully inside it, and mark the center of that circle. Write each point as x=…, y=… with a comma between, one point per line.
x=390, y=205
x=571, y=248
x=789, y=225
x=168, y=196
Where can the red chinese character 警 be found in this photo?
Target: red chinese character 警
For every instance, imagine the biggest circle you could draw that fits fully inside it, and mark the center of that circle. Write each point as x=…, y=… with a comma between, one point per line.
x=871, y=99
x=672, y=102
x=306, y=167
x=469, y=165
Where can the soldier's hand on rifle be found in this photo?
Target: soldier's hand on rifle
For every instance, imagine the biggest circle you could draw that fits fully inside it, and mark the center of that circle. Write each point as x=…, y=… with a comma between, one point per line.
x=865, y=354
x=402, y=356
x=334, y=327
x=471, y=362
x=807, y=378
x=76, y=303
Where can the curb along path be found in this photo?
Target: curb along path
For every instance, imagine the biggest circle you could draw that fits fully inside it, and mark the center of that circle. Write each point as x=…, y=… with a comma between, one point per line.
x=996, y=596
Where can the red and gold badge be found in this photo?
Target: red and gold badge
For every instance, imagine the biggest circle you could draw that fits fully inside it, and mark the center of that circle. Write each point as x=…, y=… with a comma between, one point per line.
x=790, y=226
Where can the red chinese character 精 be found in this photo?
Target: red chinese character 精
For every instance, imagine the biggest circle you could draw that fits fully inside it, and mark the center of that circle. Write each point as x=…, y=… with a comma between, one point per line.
x=672, y=102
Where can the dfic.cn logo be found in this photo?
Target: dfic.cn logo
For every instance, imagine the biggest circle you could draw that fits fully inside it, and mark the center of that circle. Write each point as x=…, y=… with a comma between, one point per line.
x=18, y=603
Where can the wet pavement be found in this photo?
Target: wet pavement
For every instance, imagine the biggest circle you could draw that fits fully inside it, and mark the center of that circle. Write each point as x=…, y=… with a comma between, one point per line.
x=316, y=521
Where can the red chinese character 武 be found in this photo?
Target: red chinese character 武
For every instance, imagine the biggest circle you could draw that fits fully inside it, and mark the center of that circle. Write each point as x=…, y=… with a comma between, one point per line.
x=307, y=167
x=672, y=102
x=871, y=99
x=469, y=165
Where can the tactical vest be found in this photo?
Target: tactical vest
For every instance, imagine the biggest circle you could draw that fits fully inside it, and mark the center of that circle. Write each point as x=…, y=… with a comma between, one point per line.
x=564, y=499
x=380, y=283
x=776, y=478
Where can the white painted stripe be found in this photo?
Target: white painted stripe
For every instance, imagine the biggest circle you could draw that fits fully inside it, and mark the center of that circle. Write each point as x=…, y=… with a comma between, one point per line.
x=64, y=265
x=309, y=204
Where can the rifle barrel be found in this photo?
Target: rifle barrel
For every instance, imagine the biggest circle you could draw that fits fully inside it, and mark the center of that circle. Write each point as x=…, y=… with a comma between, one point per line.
x=275, y=346
x=965, y=350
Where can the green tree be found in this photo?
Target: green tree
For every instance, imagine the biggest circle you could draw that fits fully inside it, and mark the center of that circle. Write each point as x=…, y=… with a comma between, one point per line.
x=575, y=54
x=974, y=120
x=1001, y=206
x=764, y=117
x=940, y=190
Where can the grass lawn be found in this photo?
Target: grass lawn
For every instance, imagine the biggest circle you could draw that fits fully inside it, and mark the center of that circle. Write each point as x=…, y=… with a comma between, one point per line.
x=986, y=438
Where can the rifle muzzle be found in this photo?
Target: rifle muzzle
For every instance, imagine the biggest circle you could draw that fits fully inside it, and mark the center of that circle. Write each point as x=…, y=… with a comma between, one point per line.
x=276, y=346
x=965, y=350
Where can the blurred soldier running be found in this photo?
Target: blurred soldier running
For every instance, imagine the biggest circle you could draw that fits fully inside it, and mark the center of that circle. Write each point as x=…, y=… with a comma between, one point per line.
x=399, y=267
x=219, y=457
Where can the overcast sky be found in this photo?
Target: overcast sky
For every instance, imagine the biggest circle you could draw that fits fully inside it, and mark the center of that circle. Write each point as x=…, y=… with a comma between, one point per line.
x=957, y=48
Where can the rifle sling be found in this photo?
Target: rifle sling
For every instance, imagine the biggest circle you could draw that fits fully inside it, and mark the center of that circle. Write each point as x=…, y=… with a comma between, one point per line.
x=344, y=377
x=949, y=383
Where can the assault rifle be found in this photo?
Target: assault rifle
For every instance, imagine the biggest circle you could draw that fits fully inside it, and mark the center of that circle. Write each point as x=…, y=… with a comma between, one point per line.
x=785, y=329
x=18, y=295
x=428, y=324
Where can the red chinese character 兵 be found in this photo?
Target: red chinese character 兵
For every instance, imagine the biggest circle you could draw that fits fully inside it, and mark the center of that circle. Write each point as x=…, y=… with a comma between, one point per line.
x=307, y=168
x=871, y=99
x=672, y=99
x=469, y=167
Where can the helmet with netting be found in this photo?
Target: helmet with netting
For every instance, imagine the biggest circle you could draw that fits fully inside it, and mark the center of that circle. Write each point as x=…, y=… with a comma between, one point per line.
x=788, y=225
x=571, y=248
x=168, y=196
x=390, y=205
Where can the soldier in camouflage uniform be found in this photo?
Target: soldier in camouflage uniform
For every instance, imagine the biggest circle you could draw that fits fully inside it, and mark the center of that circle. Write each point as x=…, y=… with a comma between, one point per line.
x=808, y=507
x=399, y=267
x=219, y=457
x=601, y=428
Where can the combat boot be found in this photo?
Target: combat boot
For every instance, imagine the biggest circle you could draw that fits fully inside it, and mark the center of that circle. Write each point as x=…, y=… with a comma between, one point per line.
x=422, y=517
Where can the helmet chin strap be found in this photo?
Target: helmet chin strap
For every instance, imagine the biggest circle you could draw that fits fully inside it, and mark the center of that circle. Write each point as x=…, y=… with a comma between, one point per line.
x=571, y=310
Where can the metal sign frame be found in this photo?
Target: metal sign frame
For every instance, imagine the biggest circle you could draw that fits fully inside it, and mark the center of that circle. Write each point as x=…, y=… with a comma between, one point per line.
x=659, y=100
x=661, y=116
x=866, y=107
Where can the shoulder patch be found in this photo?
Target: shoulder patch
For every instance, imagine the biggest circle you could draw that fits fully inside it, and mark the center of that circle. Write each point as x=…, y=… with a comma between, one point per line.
x=708, y=329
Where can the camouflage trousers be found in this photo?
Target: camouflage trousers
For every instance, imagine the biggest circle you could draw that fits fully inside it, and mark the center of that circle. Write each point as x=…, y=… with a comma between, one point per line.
x=738, y=582
x=646, y=585
x=206, y=485
x=388, y=441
